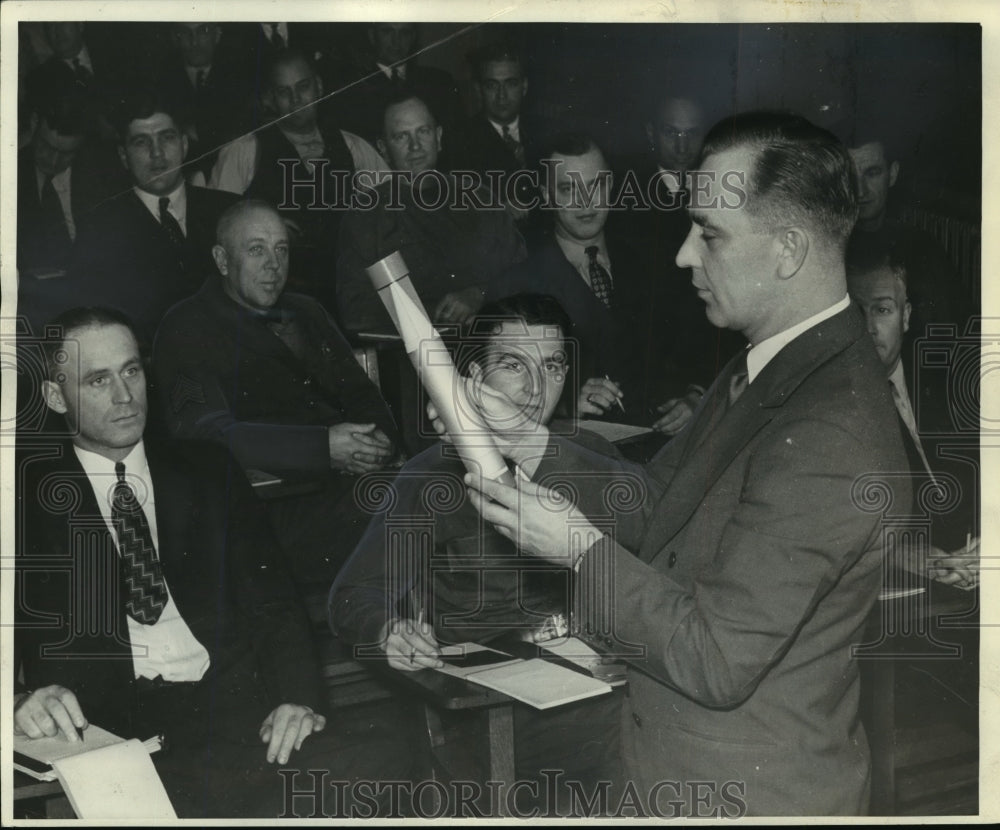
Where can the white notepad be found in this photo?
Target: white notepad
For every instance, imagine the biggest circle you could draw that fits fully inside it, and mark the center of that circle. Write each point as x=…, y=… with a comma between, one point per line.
x=115, y=782
x=540, y=683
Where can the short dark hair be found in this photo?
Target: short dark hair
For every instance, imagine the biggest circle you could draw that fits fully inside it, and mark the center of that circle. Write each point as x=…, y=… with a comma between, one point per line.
x=400, y=96
x=500, y=50
x=145, y=102
x=67, y=113
x=801, y=173
x=284, y=57
x=58, y=330
x=571, y=144
x=531, y=309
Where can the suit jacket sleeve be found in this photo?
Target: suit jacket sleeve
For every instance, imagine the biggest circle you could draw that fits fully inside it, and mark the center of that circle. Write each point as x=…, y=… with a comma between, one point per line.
x=196, y=407
x=717, y=639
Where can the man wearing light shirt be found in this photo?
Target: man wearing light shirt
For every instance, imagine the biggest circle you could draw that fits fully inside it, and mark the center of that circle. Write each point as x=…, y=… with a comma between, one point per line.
x=737, y=589
x=150, y=246
x=152, y=599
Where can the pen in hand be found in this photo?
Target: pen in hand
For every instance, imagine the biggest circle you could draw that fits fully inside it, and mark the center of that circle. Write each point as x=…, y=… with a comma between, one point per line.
x=618, y=399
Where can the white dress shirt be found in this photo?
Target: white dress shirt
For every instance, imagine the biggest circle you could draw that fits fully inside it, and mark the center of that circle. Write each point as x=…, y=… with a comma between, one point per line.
x=576, y=253
x=513, y=128
x=177, y=206
x=167, y=647
x=387, y=70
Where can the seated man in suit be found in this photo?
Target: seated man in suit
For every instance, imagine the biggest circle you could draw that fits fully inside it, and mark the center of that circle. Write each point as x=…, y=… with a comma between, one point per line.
x=453, y=249
x=312, y=194
x=738, y=585
x=446, y=577
x=392, y=67
x=209, y=91
x=268, y=374
x=628, y=363
x=495, y=143
x=150, y=246
x=193, y=630
x=881, y=293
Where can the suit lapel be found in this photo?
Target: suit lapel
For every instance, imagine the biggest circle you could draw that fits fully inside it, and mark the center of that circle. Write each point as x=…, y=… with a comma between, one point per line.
x=720, y=432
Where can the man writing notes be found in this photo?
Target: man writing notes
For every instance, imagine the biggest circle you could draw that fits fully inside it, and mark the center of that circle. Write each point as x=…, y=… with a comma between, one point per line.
x=737, y=589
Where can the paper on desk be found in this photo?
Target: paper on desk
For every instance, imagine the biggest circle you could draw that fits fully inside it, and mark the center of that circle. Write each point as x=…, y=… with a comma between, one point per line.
x=539, y=683
x=48, y=750
x=611, y=431
x=115, y=782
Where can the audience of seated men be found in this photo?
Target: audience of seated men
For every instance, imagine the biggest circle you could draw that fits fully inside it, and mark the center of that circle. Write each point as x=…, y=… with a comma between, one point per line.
x=454, y=250
x=304, y=164
x=445, y=577
x=210, y=92
x=496, y=143
x=393, y=65
x=150, y=246
x=934, y=289
x=267, y=373
x=200, y=639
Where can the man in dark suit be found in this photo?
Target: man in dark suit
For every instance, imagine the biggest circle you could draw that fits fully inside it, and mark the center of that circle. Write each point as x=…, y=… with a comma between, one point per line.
x=150, y=246
x=268, y=374
x=151, y=598
x=58, y=184
x=611, y=287
x=497, y=139
x=211, y=95
x=360, y=106
x=737, y=587
x=933, y=441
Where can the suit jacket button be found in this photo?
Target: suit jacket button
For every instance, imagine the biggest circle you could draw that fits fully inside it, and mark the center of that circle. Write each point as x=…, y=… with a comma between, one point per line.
x=672, y=559
x=637, y=719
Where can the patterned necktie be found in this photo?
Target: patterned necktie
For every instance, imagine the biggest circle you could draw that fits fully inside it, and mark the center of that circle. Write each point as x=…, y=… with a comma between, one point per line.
x=515, y=146
x=276, y=38
x=142, y=576
x=740, y=378
x=600, y=279
x=170, y=223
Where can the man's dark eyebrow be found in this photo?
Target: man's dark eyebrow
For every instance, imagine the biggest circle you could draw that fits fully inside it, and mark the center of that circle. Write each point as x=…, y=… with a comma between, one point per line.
x=701, y=220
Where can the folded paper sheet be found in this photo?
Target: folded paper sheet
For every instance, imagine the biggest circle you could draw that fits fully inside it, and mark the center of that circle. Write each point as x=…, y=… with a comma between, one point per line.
x=436, y=371
x=115, y=782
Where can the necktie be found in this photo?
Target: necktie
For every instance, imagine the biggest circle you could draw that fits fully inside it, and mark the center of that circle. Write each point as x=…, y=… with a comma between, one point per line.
x=276, y=38
x=170, y=224
x=199, y=79
x=52, y=212
x=740, y=378
x=600, y=279
x=397, y=75
x=515, y=146
x=902, y=401
x=142, y=576
x=81, y=71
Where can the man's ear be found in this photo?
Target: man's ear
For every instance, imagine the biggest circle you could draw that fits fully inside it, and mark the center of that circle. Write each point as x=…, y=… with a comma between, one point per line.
x=907, y=308
x=184, y=146
x=221, y=259
x=650, y=134
x=319, y=86
x=439, y=132
x=122, y=157
x=475, y=371
x=53, y=397
x=524, y=87
x=382, y=149
x=794, y=247
x=893, y=173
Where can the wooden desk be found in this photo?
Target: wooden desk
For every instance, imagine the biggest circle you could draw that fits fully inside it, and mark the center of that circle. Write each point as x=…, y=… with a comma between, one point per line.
x=904, y=629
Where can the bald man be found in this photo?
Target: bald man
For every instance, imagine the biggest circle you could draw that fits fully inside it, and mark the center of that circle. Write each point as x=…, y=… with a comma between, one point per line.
x=268, y=373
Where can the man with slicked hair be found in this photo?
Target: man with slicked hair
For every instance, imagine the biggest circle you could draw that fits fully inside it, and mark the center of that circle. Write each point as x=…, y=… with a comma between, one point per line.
x=737, y=589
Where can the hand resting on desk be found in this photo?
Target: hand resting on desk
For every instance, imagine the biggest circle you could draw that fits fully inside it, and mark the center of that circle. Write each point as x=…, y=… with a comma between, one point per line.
x=410, y=645
x=286, y=728
x=48, y=711
x=960, y=568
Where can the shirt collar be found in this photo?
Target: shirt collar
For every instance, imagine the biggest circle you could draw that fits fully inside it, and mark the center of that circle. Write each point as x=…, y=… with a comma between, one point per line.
x=764, y=352
x=83, y=56
x=101, y=469
x=192, y=73
x=897, y=377
x=576, y=252
x=178, y=202
x=387, y=70
x=514, y=128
